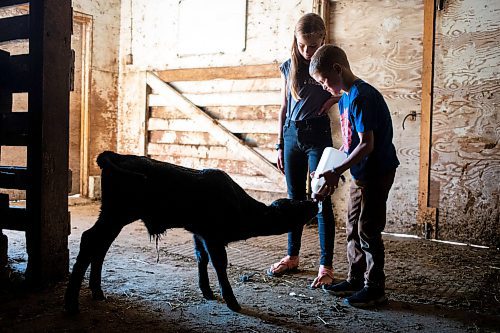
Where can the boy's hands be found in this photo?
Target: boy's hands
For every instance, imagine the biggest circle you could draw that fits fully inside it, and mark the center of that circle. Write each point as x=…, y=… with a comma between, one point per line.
x=330, y=185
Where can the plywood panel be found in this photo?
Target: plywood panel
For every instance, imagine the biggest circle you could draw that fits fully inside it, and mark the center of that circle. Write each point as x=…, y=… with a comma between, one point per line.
x=383, y=41
x=465, y=164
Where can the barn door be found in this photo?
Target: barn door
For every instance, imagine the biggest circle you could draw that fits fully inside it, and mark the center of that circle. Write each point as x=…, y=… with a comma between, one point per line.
x=465, y=153
x=78, y=114
x=383, y=41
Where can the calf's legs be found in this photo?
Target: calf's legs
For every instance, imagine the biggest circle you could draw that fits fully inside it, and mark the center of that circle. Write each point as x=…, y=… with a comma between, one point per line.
x=94, y=244
x=218, y=256
x=202, y=259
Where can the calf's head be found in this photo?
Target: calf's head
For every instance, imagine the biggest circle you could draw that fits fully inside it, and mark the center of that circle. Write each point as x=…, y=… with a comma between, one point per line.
x=287, y=214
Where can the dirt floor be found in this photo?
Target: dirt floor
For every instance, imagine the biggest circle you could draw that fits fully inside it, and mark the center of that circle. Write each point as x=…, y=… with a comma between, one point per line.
x=432, y=287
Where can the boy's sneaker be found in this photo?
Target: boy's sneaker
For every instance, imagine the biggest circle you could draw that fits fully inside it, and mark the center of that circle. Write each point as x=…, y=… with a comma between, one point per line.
x=344, y=288
x=367, y=297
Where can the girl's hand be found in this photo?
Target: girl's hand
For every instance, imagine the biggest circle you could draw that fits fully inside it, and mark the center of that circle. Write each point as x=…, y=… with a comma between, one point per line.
x=280, y=164
x=328, y=104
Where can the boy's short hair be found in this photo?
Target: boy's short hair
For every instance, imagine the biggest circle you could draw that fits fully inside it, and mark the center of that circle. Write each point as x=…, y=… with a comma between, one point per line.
x=323, y=59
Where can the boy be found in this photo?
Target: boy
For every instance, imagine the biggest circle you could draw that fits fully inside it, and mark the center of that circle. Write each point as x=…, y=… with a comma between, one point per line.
x=367, y=140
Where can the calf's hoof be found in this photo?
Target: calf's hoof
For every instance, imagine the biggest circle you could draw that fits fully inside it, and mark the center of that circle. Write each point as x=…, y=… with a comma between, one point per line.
x=233, y=305
x=98, y=295
x=208, y=294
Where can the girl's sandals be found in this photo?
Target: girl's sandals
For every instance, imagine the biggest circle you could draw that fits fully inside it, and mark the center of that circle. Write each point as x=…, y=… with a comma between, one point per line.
x=285, y=265
x=325, y=277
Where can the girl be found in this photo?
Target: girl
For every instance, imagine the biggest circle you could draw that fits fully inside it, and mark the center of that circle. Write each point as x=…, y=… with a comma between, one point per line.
x=304, y=132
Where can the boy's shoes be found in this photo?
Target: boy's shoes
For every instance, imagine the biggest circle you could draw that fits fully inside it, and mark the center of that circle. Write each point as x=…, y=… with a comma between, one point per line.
x=344, y=288
x=285, y=265
x=367, y=297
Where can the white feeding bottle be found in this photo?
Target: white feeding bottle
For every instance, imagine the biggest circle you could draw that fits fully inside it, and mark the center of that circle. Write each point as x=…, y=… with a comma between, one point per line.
x=330, y=159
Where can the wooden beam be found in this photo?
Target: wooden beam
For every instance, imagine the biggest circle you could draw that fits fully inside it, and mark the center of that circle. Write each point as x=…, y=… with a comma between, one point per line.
x=47, y=162
x=5, y=91
x=14, y=129
x=8, y=3
x=15, y=218
x=19, y=73
x=227, y=138
x=12, y=177
x=427, y=216
x=322, y=8
x=212, y=73
x=15, y=27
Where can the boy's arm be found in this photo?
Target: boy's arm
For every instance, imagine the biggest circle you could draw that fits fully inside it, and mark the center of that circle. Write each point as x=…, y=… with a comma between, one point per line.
x=365, y=147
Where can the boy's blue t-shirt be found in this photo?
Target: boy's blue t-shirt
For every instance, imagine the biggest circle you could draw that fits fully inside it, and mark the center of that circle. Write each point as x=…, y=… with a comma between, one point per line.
x=312, y=94
x=364, y=109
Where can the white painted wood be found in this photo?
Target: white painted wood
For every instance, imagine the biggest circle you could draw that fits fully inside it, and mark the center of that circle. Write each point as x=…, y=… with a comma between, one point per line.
x=219, y=99
x=220, y=86
x=218, y=131
x=234, y=126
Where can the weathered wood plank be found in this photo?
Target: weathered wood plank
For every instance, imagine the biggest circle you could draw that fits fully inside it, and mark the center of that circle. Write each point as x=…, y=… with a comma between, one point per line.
x=5, y=91
x=210, y=152
x=231, y=141
x=15, y=218
x=13, y=28
x=266, y=197
x=224, y=99
x=14, y=129
x=232, y=73
x=204, y=138
x=230, y=166
x=47, y=195
x=183, y=138
x=13, y=177
x=425, y=126
x=8, y=3
x=235, y=126
x=223, y=86
x=243, y=112
x=258, y=183
x=19, y=69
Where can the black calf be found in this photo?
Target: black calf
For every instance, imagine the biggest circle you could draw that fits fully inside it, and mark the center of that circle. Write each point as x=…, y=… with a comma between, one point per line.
x=207, y=203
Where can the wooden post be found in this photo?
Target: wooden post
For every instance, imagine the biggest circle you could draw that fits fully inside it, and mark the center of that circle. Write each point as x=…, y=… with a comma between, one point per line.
x=322, y=8
x=48, y=104
x=427, y=216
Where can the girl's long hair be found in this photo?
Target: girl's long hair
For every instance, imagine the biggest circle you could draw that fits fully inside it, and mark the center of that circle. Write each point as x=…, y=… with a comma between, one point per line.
x=309, y=24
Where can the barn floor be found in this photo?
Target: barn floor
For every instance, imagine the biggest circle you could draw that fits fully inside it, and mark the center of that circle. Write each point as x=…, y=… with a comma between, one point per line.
x=432, y=287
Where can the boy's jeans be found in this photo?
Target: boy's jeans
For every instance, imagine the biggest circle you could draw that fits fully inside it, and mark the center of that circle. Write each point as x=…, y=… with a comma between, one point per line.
x=304, y=142
x=366, y=219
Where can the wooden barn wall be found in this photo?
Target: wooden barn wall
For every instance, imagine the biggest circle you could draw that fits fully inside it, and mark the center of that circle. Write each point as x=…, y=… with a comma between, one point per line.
x=383, y=41
x=247, y=107
x=465, y=160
